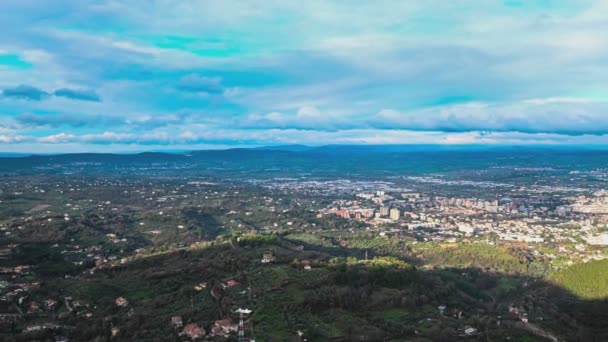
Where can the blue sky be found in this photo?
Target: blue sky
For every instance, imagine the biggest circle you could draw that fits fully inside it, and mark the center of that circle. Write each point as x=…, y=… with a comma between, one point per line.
x=130, y=75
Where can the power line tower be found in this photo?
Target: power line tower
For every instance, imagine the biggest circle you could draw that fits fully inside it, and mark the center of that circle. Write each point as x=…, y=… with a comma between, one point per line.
x=241, y=334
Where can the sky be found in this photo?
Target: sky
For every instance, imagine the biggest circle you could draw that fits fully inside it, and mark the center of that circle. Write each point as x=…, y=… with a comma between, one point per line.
x=134, y=75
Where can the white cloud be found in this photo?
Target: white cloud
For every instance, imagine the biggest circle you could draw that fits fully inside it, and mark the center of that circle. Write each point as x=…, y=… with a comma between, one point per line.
x=57, y=138
x=551, y=115
x=290, y=136
x=566, y=116
x=12, y=139
x=306, y=117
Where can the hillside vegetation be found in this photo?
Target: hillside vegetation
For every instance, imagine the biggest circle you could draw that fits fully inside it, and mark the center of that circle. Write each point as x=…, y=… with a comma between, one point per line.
x=588, y=281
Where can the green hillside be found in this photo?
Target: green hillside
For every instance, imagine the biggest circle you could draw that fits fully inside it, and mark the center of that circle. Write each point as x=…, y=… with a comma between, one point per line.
x=588, y=281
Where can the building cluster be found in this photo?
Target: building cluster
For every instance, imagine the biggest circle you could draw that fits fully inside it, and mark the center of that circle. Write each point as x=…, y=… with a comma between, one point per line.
x=595, y=204
x=562, y=222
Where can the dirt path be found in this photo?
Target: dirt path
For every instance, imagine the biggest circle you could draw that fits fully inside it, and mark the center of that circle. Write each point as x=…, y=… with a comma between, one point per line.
x=538, y=331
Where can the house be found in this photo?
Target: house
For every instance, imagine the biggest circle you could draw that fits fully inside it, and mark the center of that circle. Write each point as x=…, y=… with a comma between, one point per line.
x=307, y=267
x=22, y=269
x=223, y=327
x=231, y=283
x=177, y=321
x=200, y=287
x=243, y=311
x=193, y=331
x=470, y=330
x=50, y=303
x=33, y=308
x=121, y=302
x=267, y=258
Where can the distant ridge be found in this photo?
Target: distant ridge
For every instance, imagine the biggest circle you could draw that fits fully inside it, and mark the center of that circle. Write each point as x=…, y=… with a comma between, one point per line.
x=330, y=159
x=13, y=154
x=332, y=148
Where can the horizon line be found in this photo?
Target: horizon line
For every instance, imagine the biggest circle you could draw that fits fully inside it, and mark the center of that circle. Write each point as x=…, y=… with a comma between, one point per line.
x=285, y=147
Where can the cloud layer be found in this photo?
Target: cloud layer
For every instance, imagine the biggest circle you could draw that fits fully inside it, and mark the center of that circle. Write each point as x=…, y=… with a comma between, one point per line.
x=26, y=92
x=134, y=74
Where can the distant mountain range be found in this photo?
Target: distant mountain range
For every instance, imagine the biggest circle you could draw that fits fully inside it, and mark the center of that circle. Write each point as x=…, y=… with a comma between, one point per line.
x=13, y=154
x=337, y=149
x=335, y=159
